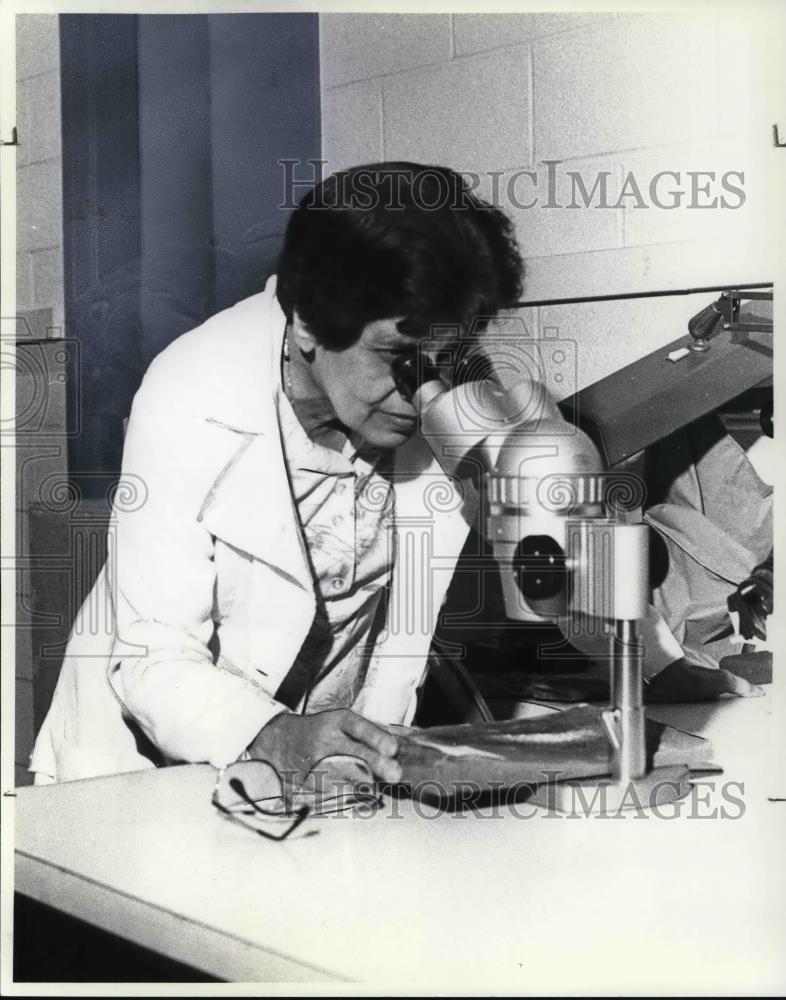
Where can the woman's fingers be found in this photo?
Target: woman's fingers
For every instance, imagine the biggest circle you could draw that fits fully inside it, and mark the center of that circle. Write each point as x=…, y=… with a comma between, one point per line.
x=295, y=744
x=385, y=768
x=382, y=768
x=373, y=744
x=360, y=729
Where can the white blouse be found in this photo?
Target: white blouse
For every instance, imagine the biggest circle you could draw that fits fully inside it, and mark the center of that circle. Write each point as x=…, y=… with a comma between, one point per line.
x=345, y=506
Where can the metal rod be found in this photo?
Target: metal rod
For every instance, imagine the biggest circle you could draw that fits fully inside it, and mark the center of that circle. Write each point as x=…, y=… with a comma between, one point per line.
x=641, y=295
x=630, y=760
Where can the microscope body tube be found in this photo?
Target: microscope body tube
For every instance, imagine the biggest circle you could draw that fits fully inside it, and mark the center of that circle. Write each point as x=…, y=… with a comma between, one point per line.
x=454, y=422
x=631, y=598
x=627, y=718
x=631, y=586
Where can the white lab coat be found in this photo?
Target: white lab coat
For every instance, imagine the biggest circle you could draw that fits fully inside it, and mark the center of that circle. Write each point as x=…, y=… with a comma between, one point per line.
x=205, y=539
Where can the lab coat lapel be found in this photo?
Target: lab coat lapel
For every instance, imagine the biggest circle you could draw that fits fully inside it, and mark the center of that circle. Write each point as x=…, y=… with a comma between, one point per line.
x=250, y=503
x=250, y=506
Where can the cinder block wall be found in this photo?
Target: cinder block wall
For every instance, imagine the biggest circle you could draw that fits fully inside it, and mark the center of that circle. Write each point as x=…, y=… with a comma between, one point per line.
x=39, y=198
x=614, y=93
x=39, y=306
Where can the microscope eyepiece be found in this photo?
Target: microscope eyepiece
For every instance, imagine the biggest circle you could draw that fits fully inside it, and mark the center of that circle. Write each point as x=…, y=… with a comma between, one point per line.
x=412, y=370
x=423, y=364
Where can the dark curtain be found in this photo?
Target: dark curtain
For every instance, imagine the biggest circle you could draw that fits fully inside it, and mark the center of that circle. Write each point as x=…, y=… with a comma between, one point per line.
x=173, y=127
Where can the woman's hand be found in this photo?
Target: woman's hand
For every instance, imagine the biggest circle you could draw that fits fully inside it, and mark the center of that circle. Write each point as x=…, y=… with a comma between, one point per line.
x=294, y=743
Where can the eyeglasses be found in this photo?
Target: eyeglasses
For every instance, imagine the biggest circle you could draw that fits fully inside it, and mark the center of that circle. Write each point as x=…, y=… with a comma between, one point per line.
x=254, y=794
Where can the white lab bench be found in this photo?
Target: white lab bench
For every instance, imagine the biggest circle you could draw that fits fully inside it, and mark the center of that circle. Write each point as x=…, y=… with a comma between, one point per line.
x=523, y=903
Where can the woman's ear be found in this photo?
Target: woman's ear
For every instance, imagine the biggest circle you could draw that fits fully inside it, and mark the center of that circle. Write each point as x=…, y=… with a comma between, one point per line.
x=303, y=337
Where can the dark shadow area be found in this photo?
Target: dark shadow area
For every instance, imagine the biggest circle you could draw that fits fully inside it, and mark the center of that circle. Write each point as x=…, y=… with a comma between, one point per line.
x=52, y=947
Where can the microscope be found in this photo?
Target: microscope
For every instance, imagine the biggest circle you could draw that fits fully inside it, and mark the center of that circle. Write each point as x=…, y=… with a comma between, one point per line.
x=567, y=535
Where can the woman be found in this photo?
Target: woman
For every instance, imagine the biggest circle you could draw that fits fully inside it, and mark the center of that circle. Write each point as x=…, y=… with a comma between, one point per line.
x=251, y=604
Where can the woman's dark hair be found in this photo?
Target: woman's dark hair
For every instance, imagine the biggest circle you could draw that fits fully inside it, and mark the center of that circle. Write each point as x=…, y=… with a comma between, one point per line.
x=396, y=239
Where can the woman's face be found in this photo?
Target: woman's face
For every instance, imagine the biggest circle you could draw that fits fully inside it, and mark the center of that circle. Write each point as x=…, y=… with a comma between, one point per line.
x=358, y=382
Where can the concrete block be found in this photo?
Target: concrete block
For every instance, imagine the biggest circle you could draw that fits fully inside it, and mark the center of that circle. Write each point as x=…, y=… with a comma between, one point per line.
x=39, y=206
x=750, y=72
x=567, y=210
x=506, y=342
x=638, y=269
x=24, y=149
x=628, y=82
x=607, y=336
x=24, y=282
x=41, y=132
x=37, y=324
x=359, y=46
x=471, y=114
x=685, y=189
x=352, y=125
x=37, y=44
x=478, y=32
x=48, y=279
